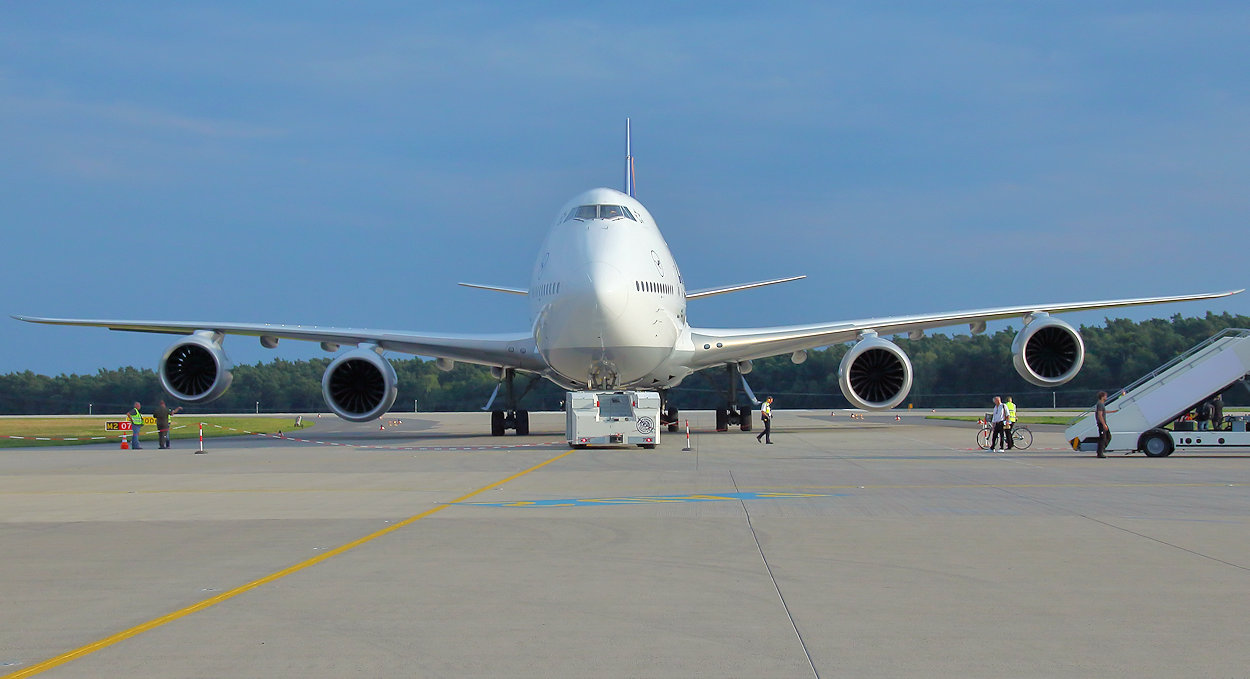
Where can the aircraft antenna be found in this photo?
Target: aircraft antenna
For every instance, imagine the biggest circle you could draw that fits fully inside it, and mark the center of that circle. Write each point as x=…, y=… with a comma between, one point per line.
x=629, y=163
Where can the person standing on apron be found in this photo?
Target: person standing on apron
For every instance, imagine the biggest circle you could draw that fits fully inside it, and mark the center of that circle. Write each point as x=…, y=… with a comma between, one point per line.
x=766, y=416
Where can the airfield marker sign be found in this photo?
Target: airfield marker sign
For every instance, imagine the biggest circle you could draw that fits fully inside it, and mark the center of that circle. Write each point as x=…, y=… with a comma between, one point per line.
x=124, y=425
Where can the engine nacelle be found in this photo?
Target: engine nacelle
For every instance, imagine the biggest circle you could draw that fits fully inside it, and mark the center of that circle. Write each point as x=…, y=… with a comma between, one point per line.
x=875, y=374
x=196, y=369
x=360, y=385
x=1048, y=352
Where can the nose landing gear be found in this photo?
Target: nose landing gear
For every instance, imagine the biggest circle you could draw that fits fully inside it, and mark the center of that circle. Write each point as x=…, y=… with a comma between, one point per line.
x=668, y=413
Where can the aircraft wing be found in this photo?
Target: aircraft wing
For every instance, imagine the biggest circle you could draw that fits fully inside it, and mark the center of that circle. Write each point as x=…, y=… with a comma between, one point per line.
x=515, y=350
x=737, y=344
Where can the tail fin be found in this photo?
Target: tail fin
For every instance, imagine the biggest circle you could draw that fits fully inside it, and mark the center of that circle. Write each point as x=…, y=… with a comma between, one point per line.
x=629, y=163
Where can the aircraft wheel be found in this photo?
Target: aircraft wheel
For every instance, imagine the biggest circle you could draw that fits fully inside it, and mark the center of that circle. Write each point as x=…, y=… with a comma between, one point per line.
x=673, y=422
x=722, y=419
x=1156, y=443
x=744, y=422
x=522, y=423
x=496, y=423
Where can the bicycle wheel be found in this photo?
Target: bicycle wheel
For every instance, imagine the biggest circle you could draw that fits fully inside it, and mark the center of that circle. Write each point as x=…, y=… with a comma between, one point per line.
x=983, y=438
x=1021, y=437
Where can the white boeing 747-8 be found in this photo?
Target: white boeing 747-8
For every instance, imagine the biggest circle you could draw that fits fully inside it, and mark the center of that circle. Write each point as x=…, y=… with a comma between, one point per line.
x=608, y=311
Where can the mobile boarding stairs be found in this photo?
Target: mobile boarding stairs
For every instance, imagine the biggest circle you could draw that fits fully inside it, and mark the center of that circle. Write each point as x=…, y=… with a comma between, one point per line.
x=1144, y=408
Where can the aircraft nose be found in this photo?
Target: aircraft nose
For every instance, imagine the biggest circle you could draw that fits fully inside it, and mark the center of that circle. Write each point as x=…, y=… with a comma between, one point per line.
x=608, y=289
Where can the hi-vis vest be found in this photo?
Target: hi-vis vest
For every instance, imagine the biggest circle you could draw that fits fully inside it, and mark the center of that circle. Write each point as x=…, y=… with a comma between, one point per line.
x=136, y=418
x=767, y=410
x=1011, y=411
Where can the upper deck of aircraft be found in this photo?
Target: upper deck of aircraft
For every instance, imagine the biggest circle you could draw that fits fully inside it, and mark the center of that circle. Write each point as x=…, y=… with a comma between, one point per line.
x=604, y=203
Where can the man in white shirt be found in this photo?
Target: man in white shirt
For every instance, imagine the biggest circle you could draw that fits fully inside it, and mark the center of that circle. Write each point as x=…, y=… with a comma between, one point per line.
x=999, y=420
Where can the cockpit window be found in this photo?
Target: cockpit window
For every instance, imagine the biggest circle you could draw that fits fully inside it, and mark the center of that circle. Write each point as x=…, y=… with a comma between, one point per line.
x=585, y=212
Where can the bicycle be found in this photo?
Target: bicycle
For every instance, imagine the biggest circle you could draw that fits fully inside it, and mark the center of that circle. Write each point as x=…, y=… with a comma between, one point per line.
x=1021, y=436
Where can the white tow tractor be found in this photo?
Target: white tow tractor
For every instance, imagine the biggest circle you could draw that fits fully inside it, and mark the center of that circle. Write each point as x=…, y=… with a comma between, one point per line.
x=1139, y=414
x=606, y=418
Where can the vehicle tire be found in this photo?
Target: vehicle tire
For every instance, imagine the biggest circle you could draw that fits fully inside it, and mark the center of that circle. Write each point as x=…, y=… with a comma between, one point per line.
x=1156, y=443
x=496, y=423
x=522, y=423
x=1021, y=437
x=722, y=419
x=983, y=438
x=647, y=446
x=745, y=423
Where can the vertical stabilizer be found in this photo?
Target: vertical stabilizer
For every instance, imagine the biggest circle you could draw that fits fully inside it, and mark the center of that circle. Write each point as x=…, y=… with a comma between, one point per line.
x=629, y=163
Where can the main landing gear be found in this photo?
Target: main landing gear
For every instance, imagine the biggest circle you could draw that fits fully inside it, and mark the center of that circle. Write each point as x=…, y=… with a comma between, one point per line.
x=731, y=415
x=511, y=418
x=501, y=421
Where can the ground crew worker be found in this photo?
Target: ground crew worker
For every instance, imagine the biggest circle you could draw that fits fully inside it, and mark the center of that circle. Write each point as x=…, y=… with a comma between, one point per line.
x=163, y=414
x=136, y=421
x=1011, y=421
x=1100, y=418
x=766, y=416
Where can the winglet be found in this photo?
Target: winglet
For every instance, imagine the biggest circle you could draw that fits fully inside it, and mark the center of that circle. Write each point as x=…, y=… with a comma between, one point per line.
x=629, y=163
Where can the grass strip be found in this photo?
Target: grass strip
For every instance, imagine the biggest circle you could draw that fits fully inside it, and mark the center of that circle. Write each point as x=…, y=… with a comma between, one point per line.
x=84, y=428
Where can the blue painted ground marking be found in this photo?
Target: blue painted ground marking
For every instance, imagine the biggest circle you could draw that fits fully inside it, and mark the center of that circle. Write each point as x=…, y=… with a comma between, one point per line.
x=599, y=502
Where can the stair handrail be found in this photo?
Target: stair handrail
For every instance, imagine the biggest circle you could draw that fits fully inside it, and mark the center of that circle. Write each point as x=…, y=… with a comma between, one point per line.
x=1113, y=397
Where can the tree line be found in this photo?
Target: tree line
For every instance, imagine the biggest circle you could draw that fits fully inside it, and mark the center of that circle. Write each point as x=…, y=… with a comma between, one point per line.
x=950, y=371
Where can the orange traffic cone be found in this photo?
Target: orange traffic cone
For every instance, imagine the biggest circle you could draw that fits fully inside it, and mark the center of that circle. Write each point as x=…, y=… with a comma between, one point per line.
x=125, y=444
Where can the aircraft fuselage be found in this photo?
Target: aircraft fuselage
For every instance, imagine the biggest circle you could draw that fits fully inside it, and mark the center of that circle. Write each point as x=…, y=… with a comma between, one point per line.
x=607, y=300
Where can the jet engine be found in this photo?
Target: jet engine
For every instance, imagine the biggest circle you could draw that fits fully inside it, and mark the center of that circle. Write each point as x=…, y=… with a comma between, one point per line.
x=875, y=374
x=360, y=385
x=1048, y=352
x=196, y=369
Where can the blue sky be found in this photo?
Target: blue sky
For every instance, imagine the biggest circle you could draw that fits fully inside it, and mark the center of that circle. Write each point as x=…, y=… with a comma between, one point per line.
x=346, y=164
